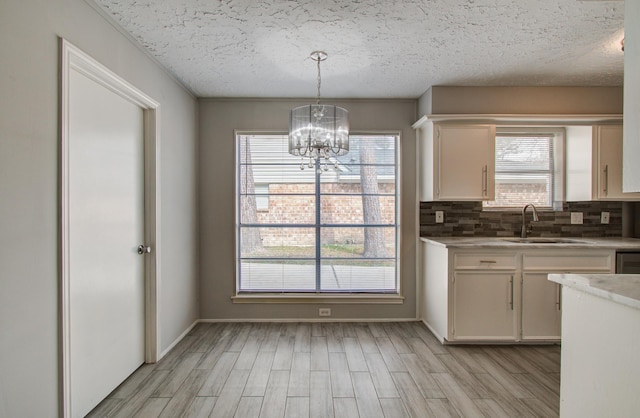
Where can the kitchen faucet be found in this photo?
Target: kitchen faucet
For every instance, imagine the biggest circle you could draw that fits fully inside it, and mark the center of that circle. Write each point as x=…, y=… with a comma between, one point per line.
x=523, y=232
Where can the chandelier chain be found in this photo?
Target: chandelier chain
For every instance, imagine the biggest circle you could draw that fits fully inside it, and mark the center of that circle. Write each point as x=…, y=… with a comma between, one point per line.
x=319, y=81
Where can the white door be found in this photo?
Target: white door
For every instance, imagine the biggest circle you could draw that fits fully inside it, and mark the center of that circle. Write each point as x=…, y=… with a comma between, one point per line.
x=106, y=225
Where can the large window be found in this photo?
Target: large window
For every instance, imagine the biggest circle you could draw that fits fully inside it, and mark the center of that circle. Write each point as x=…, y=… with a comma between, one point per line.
x=528, y=168
x=312, y=230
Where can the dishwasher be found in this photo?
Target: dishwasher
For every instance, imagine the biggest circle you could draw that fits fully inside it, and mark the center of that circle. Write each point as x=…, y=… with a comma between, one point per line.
x=628, y=262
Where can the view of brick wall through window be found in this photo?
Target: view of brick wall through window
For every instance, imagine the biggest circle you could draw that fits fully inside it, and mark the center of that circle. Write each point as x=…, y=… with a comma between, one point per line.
x=341, y=204
x=468, y=219
x=508, y=193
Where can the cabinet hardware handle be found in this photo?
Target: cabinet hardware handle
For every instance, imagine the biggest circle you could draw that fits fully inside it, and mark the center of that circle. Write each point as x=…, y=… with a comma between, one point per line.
x=606, y=180
x=488, y=261
x=484, y=180
x=559, y=296
x=511, y=292
x=439, y=149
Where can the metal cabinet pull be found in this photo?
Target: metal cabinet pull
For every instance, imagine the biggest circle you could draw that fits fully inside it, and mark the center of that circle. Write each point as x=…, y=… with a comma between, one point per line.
x=488, y=261
x=559, y=296
x=485, y=179
x=439, y=162
x=511, y=292
x=606, y=179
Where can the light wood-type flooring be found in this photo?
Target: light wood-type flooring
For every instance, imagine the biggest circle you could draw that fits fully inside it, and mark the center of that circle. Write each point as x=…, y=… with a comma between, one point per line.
x=338, y=370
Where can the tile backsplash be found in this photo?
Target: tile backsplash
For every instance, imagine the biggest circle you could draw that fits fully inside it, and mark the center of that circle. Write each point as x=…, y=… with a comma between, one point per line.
x=467, y=219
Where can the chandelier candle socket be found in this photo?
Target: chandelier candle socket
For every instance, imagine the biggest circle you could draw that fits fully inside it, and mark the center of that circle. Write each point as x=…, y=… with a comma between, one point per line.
x=317, y=131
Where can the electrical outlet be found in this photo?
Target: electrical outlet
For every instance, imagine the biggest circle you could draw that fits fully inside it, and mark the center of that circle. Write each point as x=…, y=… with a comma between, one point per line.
x=324, y=312
x=604, y=218
x=439, y=216
x=576, y=218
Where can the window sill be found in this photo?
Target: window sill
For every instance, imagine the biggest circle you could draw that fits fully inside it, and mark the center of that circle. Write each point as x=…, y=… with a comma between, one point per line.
x=301, y=298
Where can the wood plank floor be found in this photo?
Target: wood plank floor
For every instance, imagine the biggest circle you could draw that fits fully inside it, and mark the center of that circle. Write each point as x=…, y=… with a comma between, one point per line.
x=338, y=370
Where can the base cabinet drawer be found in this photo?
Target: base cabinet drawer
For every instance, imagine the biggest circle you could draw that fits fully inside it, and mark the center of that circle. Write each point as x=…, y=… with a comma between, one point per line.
x=489, y=261
x=587, y=261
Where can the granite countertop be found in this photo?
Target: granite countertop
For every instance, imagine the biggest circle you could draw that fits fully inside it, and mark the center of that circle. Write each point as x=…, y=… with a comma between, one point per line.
x=621, y=288
x=535, y=242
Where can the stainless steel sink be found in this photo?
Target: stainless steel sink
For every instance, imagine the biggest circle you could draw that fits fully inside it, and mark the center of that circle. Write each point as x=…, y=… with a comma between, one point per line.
x=544, y=240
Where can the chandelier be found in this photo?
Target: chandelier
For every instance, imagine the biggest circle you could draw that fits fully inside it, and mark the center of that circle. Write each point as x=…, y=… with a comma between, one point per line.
x=318, y=132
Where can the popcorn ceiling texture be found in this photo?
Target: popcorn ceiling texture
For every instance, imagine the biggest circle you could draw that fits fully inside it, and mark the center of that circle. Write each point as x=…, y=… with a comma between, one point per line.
x=467, y=219
x=377, y=48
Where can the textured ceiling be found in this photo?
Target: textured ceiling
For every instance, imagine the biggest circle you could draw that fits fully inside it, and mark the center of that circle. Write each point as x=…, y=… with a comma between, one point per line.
x=377, y=48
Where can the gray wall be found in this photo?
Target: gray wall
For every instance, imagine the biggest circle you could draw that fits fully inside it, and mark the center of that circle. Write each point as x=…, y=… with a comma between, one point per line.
x=521, y=100
x=218, y=119
x=29, y=147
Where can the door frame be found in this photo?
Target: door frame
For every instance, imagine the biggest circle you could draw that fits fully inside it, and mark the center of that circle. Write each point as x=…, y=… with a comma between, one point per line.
x=72, y=58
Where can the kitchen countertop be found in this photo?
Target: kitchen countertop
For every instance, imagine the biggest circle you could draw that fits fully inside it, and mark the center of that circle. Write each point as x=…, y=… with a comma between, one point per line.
x=620, y=288
x=508, y=242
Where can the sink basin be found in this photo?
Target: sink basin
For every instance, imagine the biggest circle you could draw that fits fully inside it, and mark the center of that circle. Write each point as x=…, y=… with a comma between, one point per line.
x=544, y=240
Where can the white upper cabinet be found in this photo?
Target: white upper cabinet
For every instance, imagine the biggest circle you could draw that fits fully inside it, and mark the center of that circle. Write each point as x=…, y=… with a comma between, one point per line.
x=594, y=164
x=631, y=175
x=609, y=163
x=456, y=161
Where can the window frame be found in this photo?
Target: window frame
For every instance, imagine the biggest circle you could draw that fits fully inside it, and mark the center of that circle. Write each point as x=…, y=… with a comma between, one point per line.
x=317, y=294
x=558, y=135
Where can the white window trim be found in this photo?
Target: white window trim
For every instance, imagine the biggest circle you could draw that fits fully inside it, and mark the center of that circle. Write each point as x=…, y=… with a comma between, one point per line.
x=559, y=135
x=383, y=297
x=323, y=298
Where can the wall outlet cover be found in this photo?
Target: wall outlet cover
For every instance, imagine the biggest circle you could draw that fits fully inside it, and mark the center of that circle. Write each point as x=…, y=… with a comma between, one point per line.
x=324, y=312
x=604, y=217
x=576, y=218
x=439, y=216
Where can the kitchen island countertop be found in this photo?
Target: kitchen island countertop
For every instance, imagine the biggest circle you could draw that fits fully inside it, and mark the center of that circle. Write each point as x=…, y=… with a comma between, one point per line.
x=620, y=288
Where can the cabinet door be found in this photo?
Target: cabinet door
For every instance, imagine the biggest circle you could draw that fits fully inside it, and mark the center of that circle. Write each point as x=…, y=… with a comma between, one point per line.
x=609, y=164
x=541, y=307
x=483, y=306
x=465, y=162
x=631, y=97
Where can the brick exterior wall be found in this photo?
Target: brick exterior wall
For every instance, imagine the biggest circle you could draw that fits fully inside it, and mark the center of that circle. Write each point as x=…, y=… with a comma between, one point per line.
x=342, y=205
x=535, y=193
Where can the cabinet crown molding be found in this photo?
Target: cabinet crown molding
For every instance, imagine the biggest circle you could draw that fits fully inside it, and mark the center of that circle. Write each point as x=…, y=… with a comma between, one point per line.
x=520, y=119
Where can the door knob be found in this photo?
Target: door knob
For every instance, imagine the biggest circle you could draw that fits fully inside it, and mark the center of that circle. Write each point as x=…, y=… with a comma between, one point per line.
x=142, y=249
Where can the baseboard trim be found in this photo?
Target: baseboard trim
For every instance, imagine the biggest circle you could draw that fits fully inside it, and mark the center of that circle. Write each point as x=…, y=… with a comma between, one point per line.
x=435, y=334
x=329, y=319
x=177, y=340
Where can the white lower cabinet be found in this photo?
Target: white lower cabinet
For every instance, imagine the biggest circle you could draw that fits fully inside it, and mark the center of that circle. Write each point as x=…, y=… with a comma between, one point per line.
x=541, y=313
x=541, y=308
x=483, y=306
x=481, y=295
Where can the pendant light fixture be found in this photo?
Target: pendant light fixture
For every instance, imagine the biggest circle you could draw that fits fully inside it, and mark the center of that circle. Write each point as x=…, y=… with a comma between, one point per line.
x=318, y=132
